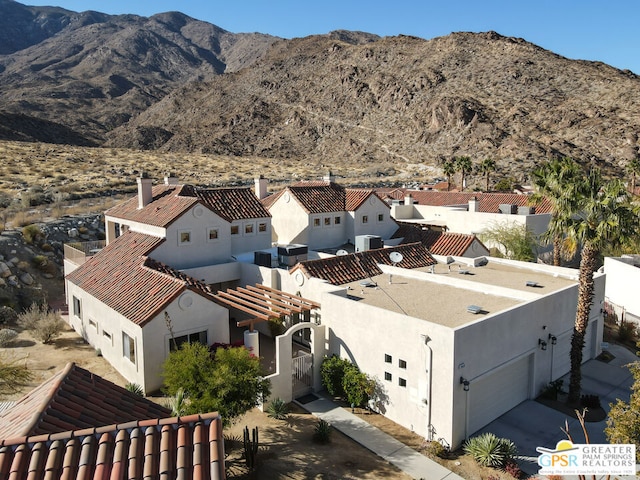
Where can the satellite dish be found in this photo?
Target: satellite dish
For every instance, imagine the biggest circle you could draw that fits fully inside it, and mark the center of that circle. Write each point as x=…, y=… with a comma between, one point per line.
x=395, y=257
x=340, y=253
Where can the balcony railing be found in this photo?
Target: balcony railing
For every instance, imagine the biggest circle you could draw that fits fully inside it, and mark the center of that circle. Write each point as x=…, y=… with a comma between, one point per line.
x=78, y=252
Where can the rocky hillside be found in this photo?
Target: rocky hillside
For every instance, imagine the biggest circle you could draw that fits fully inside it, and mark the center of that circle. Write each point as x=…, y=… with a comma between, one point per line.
x=403, y=100
x=68, y=77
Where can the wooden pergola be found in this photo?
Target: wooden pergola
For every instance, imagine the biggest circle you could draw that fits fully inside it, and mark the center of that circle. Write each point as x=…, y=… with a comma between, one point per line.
x=263, y=303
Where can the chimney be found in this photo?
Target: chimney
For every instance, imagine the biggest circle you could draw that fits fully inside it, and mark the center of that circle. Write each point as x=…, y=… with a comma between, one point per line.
x=408, y=199
x=261, y=187
x=145, y=194
x=170, y=179
x=474, y=204
x=329, y=177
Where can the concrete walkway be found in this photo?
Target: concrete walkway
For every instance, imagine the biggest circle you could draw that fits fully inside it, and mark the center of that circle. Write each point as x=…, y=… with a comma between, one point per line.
x=383, y=445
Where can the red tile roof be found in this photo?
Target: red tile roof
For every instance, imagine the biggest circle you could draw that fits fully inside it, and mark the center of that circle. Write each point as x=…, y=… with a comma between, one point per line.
x=438, y=243
x=359, y=266
x=488, y=202
x=355, y=197
x=170, y=201
x=122, y=277
x=186, y=447
x=73, y=399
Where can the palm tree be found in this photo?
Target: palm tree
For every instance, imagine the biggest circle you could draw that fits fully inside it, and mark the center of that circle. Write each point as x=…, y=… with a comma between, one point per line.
x=602, y=215
x=464, y=165
x=556, y=181
x=633, y=169
x=487, y=166
x=448, y=168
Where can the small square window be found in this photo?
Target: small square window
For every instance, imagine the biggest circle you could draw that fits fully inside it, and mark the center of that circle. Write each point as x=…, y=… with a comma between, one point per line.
x=365, y=219
x=402, y=382
x=402, y=364
x=388, y=358
x=93, y=324
x=76, y=307
x=108, y=336
x=235, y=229
x=213, y=234
x=327, y=221
x=316, y=222
x=387, y=376
x=262, y=227
x=129, y=347
x=184, y=237
x=337, y=220
x=381, y=217
x=248, y=228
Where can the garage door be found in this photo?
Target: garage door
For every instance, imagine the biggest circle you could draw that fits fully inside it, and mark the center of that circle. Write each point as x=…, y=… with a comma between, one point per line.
x=496, y=393
x=562, y=349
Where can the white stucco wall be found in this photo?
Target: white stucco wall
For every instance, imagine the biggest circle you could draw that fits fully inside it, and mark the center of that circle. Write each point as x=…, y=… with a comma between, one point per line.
x=110, y=223
x=249, y=240
x=621, y=288
x=371, y=209
x=289, y=221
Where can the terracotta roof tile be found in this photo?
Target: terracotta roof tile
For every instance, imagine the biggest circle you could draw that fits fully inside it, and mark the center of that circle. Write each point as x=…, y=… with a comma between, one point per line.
x=488, y=202
x=232, y=203
x=73, y=399
x=359, y=266
x=122, y=277
x=438, y=243
x=189, y=447
x=355, y=197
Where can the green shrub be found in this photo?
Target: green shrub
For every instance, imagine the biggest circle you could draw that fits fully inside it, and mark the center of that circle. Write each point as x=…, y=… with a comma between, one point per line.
x=626, y=331
x=40, y=261
x=357, y=386
x=436, y=449
x=32, y=234
x=322, y=432
x=332, y=373
x=278, y=409
x=134, y=388
x=552, y=390
x=490, y=451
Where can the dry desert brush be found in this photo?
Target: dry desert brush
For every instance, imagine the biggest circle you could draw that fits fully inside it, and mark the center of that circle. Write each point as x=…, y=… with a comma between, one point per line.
x=44, y=324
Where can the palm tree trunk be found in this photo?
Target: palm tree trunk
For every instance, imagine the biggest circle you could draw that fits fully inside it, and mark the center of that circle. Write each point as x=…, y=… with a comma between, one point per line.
x=557, y=250
x=487, y=187
x=585, y=298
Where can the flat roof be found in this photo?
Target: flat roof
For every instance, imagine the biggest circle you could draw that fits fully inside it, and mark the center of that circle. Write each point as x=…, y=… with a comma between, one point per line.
x=446, y=303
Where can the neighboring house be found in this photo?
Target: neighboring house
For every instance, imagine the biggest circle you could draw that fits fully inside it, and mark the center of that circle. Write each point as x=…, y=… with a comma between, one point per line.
x=452, y=346
x=442, y=244
x=621, y=291
x=78, y=425
x=324, y=214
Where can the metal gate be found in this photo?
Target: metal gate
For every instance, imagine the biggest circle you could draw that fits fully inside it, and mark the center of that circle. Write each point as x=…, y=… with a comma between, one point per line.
x=302, y=374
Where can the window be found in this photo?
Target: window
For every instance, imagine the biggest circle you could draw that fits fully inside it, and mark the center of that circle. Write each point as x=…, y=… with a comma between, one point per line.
x=107, y=335
x=248, y=229
x=184, y=237
x=200, y=337
x=327, y=221
x=93, y=323
x=235, y=229
x=388, y=358
x=387, y=376
x=402, y=382
x=402, y=364
x=76, y=307
x=213, y=234
x=337, y=220
x=129, y=347
x=262, y=227
x=365, y=218
x=381, y=217
x=316, y=222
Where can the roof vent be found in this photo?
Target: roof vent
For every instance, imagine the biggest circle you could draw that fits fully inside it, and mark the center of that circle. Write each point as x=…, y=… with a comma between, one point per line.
x=475, y=309
x=532, y=284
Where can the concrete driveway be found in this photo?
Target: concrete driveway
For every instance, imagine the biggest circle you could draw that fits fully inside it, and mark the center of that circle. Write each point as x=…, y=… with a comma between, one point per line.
x=531, y=424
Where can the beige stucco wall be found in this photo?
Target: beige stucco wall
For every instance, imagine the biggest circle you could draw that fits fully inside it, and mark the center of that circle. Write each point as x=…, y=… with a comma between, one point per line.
x=372, y=208
x=110, y=223
x=622, y=284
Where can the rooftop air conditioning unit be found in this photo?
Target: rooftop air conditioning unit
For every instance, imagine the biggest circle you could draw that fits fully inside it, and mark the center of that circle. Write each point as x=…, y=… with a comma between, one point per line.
x=526, y=210
x=508, y=208
x=262, y=259
x=368, y=242
x=290, y=255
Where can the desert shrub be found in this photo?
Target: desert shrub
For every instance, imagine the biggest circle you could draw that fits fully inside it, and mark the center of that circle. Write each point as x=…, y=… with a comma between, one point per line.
x=43, y=324
x=322, y=432
x=83, y=230
x=626, y=331
x=7, y=336
x=513, y=469
x=8, y=315
x=32, y=233
x=332, y=373
x=40, y=261
x=436, y=449
x=278, y=409
x=46, y=247
x=490, y=451
x=134, y=388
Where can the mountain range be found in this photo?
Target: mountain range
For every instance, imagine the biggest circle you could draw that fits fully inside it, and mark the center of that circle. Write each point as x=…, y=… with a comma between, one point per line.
x=173, y=83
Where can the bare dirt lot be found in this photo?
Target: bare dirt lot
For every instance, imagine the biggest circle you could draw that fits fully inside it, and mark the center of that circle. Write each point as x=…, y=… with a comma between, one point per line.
x=287, y=449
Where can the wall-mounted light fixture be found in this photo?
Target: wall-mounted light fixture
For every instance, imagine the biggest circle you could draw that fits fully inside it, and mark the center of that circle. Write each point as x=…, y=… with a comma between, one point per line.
x=542, y=343
x=465, y=384
x=553, y=339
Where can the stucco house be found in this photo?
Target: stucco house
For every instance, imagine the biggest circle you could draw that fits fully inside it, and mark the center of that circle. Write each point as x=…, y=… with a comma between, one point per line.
x=323, y=214
x=621, y=291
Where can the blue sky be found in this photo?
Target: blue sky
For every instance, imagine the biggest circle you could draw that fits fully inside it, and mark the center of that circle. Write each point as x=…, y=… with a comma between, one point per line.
x=606, y=31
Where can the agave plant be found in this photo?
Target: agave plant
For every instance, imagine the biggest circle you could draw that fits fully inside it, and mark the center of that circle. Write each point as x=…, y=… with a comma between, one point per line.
x=490, y=451
x=278, y=409
x=178, y=403
x=135, y=388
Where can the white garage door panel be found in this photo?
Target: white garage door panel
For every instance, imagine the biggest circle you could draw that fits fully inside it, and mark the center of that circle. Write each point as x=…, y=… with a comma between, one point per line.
x=497, y=393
